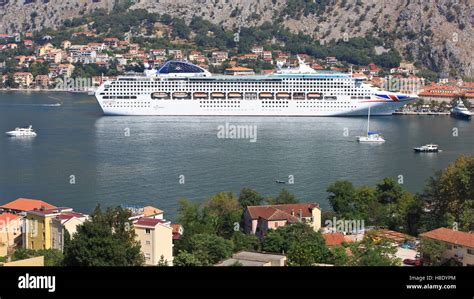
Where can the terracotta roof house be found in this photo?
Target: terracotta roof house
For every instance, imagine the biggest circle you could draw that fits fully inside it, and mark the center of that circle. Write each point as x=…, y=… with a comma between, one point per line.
x=259, y=219
x=334, y=239
x=459, y=245
x=25, y=204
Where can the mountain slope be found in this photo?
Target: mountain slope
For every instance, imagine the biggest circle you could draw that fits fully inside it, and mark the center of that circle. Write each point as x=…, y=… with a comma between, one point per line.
x=437, y=33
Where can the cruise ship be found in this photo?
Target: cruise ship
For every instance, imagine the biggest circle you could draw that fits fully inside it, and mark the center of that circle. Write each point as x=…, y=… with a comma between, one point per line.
x=180, y=88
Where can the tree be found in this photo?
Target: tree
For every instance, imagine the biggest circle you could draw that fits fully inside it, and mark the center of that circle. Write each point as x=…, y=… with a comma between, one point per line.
x=186, y=259
x=410, y=211
x=398, y=205
x=369, y=252
x=341, y=197
x=388, y=191
x=449, y=196
x=180, y=29
x=339, y=256
x=385, y=205
x=224, y=212
x=209, y=249
x=162, y=262
x=242, y=241
x=303, y=245
x=107, y=239
x=52, y=257
x=309, y=250
x=39, y=69
x=249, y=197
x=10, y=82
x=191, y=217
x=284, y=197
x=388, y=60
x=432, y=251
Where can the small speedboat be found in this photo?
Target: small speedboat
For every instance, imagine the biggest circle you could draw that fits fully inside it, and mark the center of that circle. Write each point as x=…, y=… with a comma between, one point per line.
x=280, y=182
x=22, y=132
x=428, y=148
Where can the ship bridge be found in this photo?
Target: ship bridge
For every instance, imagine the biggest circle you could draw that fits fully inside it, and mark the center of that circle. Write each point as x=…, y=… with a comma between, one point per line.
x=177, y=68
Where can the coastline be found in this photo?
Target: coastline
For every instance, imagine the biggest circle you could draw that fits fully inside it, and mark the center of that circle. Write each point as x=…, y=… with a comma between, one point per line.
x=419, y=113
x=27, y=90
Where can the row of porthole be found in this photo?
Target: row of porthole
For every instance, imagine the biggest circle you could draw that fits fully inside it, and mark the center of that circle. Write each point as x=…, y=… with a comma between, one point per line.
x=325, y=107
x=218, y=106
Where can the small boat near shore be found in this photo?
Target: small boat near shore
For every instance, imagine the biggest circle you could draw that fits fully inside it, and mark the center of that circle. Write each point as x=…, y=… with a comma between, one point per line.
x=460, y=111
x=428, y=148
x=22, y=132
x=280, y=182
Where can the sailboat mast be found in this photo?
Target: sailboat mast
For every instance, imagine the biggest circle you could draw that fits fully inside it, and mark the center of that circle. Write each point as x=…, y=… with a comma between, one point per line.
x=368, y=122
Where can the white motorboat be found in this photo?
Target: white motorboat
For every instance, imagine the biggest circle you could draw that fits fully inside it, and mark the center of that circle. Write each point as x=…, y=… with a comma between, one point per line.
x=22, y=132
x=428, y=148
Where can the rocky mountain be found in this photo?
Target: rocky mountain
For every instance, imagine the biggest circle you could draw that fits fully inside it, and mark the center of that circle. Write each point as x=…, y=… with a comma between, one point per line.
x=437, y=33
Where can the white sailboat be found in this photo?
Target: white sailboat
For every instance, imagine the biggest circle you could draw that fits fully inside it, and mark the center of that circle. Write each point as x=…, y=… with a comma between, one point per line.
x=372, y=137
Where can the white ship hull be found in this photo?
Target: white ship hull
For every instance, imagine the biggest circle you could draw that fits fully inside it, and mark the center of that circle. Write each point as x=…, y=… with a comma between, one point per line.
x=341, y=107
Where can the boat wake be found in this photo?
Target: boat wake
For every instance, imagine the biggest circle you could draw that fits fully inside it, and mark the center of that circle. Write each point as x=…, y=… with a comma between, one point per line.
x=37, y=105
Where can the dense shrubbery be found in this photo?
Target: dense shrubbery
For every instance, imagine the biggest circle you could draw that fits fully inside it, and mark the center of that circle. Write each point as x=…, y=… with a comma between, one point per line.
x=297, y=8
x=448, y=199
x=52, y=257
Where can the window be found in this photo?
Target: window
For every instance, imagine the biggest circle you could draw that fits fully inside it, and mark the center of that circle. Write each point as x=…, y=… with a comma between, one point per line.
x=147, y=256
x=470, y=251
x=147, y=242
x=147, y=231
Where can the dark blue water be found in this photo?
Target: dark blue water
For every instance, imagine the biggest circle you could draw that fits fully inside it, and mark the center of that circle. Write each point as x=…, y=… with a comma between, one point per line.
x=144, y=168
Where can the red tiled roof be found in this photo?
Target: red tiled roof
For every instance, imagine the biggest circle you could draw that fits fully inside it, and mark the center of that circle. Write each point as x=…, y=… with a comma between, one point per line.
x=238, y=69
x=151, y=211
x=268, y=211
x=451, y=236
x=334, y=239
x=56, y=210
x=26, y=204
x=69, y=215
x=22, y=74
x=281, y=215
x=152, y=222
x=7, y=217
